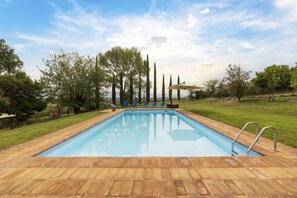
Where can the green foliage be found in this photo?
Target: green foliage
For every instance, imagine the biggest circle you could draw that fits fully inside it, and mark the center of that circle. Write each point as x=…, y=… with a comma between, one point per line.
x=120, y=62
x=178, y=91
x=21, y=95
x=71, y=80
x=211, y=86
x=9, y=138
x=9, y=61
x=273, y=78
x=170, y=90
x=131, y=88
x=155, y=83
x=113, y=90
x=281, y=114
x=294, y=77
x=100, y=81
x=163, y=89
x=148, y=86
x=237, y=80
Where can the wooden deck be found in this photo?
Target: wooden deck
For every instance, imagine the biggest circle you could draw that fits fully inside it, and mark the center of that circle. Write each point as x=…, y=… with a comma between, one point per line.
x=23, y=175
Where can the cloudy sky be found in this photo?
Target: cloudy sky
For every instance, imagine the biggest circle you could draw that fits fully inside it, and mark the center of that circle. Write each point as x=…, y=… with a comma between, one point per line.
x=196, y=39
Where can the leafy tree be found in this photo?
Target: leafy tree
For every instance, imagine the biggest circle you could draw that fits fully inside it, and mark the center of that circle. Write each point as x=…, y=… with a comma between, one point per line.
x=23, y=96
x=99, y=82
x=155, y=83
x=69, y=80
x=120, y=62
x=237, y=80
x=148, y=86
x=274, y=78
x=170, y=90
x=178, y=91
x=221, y=89
x=163, y=89
x=211, y=86
x=113, y=90
x=294, y=77
x=9, y=61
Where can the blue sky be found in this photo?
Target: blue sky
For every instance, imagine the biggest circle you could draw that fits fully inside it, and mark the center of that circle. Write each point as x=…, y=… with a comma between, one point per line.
x=196, y=39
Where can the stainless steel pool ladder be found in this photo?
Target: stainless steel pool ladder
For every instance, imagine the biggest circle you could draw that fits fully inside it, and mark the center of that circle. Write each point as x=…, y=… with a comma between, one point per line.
x=259, y=135
x=234, y=153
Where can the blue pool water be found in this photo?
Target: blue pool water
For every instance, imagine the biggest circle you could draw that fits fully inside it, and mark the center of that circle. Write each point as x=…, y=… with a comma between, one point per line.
x=147, y=133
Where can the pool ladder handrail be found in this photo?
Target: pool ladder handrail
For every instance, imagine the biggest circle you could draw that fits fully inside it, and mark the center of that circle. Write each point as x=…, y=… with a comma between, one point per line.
x=239, y=134
x=259, y=135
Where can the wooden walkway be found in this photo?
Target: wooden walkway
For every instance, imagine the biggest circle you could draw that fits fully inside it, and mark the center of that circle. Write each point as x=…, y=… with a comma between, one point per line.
x=23, y=175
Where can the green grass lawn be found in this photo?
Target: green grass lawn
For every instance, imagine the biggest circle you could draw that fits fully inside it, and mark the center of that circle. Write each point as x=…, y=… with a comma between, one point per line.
x=9, y=138
x=282, y=114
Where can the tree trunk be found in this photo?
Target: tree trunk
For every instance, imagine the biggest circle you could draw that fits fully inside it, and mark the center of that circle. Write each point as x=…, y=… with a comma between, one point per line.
x=113, y=91
x=76, y=110
x=121, y=88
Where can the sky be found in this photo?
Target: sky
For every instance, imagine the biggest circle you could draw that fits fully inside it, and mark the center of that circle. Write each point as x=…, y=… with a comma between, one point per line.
x=196, y=39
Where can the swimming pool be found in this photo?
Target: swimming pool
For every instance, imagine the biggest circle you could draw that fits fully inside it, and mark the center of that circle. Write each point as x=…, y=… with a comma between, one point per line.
x=147, y=133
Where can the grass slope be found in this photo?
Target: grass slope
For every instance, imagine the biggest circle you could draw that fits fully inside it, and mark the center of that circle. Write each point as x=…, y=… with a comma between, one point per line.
x=281, y=114
x=9, y=138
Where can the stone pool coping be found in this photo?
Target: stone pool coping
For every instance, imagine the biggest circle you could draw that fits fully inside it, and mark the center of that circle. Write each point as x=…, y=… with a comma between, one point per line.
x=21, y=173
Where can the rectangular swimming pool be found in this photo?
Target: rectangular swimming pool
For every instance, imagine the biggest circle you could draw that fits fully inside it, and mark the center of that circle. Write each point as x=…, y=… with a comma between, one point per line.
x=146, y=133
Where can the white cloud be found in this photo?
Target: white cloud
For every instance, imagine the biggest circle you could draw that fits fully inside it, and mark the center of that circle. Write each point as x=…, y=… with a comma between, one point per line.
x=205, y=11
x=192, y=20
x=289, y=7
x=196, y=48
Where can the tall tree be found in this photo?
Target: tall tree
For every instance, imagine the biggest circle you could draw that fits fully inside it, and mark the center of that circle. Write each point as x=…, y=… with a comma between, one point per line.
x=148, y=83
x=170, y=90
x=99, y=81
x=120, y=62
x=163, y=89
x=178, y=91
x=9, y=61
x=273, y=78
x=68, y=80
x=155, y=83
x=237, y=80
x=23, y=94
x=131, y=88
x=113, y=90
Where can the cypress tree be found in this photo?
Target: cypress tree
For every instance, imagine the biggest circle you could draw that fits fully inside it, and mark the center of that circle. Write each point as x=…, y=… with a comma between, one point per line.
x=170, y=90
x=96, y=81
x=163, y=89
x=147, y=79
x=121, y=88
x=131, y=88
x=178, y=91
x=139, y=87
x=155, y=83
x=113, y=90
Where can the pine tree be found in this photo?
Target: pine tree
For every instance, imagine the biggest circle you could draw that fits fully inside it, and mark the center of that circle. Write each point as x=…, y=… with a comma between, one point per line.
x=178, y=91
x=163, y=89
x=131, y=88
x=113, y=90
x=147, y=79
x=170, y=90
x=155, y=83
